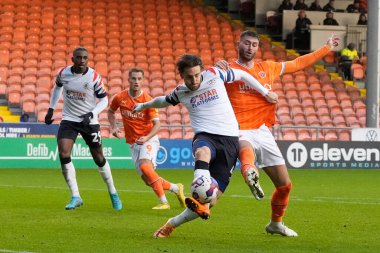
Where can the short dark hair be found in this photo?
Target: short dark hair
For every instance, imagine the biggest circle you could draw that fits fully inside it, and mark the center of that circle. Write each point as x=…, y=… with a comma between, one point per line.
x=188, y=61
x=135, y=70
x=250, y=34
x=80, y=49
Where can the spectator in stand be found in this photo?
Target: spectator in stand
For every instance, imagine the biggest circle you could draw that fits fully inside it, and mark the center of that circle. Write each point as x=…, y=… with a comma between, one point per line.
x=301, y=31
x=362, y=19
x=329, y=6
x=329, y=20
x=300, y=5
x=24, y=117
x=348, y=55
x=354, y=7
x=285, y=5
x=315, y=6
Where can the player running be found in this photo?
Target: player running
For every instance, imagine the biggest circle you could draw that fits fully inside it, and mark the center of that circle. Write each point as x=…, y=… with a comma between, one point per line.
x=215, y=144
x=81, y=86
x=255, y=115
x=141, y=130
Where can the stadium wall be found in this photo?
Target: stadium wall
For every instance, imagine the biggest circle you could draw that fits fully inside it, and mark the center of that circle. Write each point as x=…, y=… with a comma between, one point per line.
x=177, y=154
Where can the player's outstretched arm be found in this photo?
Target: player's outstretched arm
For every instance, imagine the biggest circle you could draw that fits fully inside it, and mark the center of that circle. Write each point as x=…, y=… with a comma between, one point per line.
x=158, y=102
x=309, y=59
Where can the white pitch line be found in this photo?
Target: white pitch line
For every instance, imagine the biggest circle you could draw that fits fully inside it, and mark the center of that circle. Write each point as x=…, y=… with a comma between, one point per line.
x=335, y=200
x=13, y=251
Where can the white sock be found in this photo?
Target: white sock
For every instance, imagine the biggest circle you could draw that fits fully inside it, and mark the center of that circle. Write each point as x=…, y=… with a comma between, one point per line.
x=186, y=216
x=199, y=172
x=163, y=199
x=68, y=171
x=174, y=188
x=105, y=172
x=276, y=223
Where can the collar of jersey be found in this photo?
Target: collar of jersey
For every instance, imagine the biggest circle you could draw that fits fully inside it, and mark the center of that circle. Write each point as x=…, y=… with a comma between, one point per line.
x=72, y=70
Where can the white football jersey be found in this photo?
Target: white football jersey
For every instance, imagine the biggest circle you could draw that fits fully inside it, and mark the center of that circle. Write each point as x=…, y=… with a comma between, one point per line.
x=80, y=92
x=209, y=108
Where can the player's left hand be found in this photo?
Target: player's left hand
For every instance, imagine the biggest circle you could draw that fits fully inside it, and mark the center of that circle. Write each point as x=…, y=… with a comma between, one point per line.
x=222, y=64
x=87, y=118
x=272, y=97
x=115, y=131
x=138, y=107
x=333, y=41
x=142, y=140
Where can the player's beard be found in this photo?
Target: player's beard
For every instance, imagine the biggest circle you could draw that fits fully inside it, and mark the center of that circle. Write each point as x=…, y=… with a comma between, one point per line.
x=246, y=56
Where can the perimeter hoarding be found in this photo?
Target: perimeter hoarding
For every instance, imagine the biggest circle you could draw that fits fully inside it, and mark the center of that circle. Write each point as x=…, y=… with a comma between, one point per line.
x=331, y=154
x=43, y=153
x=177, y=154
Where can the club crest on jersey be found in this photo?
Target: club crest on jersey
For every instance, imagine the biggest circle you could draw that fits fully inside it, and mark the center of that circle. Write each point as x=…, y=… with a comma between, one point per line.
x=86, y=85
x=211, y=82
x=262, y=74
x=204, y=98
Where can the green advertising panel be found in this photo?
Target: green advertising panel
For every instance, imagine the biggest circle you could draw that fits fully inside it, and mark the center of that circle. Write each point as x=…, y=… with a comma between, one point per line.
x=43, y=153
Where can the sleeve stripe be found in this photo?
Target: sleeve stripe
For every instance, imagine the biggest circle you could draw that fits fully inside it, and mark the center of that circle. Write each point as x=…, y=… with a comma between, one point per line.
x=212, y=70
x=60, y=72
x=221, y=75
x=95, y=76
x=228, y=75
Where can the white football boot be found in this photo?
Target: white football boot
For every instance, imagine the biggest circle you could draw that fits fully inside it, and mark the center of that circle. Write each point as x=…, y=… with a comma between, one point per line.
x=280, y=228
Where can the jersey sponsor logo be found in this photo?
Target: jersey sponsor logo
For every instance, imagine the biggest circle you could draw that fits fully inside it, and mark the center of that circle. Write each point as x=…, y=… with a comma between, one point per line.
x=75, y=95
x=130, y=114
x=268, y=86
x=246, y=89
x=204, y=98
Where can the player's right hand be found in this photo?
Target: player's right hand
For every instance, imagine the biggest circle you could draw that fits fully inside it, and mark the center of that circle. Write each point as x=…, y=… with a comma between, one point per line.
x=49, y=116
x=333, y=41
x=222, y=64
x=138, y=107
x=272, y=97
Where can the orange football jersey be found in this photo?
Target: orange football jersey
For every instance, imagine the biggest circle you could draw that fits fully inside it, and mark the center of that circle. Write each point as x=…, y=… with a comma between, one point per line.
x=135, y=124
x=250, y=107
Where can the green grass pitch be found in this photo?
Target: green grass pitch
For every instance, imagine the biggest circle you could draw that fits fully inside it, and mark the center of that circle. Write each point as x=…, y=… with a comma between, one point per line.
x=332, y=211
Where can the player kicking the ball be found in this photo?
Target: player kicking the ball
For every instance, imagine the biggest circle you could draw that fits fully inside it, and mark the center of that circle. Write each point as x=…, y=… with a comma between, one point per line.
x=215, y=144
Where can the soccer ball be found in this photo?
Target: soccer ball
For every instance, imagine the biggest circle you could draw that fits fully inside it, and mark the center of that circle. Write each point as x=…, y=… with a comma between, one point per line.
x=204, y=189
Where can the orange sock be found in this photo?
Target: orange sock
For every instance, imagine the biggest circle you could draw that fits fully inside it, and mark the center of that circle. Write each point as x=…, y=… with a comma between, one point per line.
x=153, y=178
x=279, y=201
x=165, y=184
x=247, y=159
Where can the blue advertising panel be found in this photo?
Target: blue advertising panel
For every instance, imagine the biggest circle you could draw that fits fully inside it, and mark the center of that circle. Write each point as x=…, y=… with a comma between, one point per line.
x=27, y=130
x=175, y=154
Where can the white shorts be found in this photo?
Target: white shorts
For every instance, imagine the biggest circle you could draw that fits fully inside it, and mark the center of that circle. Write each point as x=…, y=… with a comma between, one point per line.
x=266, y=149
x=148, y=150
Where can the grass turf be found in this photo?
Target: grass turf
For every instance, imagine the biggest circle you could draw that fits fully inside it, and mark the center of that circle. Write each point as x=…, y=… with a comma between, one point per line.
x=332, y=211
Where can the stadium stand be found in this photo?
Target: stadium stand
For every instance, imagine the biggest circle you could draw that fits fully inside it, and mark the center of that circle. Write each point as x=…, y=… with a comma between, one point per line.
x=37, y=39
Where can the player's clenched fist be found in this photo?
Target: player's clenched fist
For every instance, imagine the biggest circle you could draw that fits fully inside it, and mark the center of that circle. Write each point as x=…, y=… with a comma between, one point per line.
x=272, y=97
x=49, y=116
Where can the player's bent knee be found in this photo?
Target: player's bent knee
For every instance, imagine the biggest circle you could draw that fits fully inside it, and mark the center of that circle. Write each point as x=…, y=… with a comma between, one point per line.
x=202, y=153
x=285, y=188
x=100, y=162
x=64, y=160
